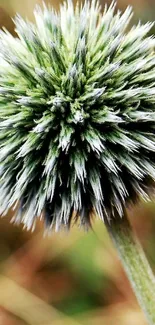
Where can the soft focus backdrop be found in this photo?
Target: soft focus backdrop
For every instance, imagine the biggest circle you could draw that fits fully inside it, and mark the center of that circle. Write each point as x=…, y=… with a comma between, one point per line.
x=69, y=278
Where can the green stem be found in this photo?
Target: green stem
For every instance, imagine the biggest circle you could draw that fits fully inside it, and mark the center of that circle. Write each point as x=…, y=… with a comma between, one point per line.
x=135, y=264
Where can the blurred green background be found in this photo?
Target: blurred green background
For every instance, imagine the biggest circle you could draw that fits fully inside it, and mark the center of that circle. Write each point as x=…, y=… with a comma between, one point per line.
x=69, y=278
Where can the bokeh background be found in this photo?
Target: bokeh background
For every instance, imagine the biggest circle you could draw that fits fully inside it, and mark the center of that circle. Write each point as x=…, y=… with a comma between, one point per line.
x=69, y=278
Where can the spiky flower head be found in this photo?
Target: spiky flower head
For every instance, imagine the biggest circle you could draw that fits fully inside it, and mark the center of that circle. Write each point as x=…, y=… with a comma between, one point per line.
x=77, y=114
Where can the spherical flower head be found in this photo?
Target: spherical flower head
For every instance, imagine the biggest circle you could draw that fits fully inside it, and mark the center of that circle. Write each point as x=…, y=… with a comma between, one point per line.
x=77, y=115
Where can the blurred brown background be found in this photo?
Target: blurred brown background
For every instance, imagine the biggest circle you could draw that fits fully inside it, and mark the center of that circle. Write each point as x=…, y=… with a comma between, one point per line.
x=69, y=278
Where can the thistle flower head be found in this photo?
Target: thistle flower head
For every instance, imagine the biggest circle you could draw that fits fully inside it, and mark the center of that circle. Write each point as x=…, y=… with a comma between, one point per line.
x=77, y=114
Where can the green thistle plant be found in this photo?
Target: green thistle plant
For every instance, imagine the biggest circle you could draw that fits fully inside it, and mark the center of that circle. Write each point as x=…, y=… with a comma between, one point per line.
x=77, y=120
x=76, y=114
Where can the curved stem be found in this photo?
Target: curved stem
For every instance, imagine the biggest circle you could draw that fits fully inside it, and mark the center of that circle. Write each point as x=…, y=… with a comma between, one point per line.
x=135, y=264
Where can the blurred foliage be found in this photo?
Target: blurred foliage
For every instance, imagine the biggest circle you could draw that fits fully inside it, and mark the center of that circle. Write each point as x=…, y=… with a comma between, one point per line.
x=68, y=278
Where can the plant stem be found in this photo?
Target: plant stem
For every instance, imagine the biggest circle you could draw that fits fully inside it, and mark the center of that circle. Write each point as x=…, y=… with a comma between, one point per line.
x=135, y=264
